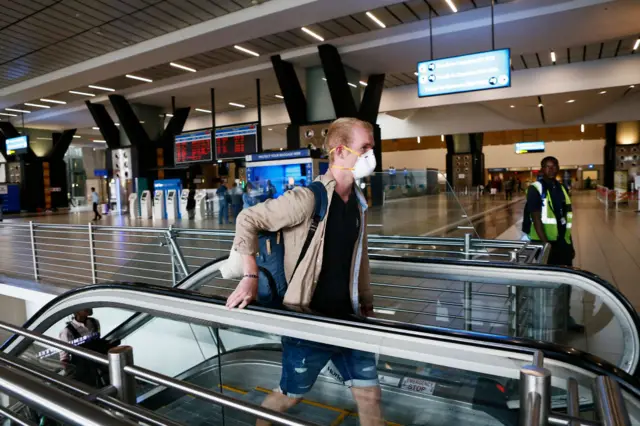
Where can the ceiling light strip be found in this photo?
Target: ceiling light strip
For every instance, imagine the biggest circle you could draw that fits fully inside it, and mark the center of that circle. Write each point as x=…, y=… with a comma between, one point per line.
x=37, y=105
x=203, y=110
x=237, y=105
x=182, y=67
x=553, y=56
x=245, y=50
x=376, y=20
x=135, y=77
x=8, y=115
x=312, y=34
x=635, y=46
x=453, y=7
x=108, y=89
x=81, y=93
x=18, y=110
x=53, y=101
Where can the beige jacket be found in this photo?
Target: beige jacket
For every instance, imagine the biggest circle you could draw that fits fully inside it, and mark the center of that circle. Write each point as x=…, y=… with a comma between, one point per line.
x=292, y=213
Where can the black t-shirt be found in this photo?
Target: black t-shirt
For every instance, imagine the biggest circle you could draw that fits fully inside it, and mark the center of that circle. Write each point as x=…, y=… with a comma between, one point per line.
x=331, y=296
x=534, y=202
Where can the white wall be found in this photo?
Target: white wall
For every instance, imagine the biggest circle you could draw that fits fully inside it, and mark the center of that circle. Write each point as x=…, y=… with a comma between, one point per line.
x=568, y=153
x=497, y=156
x=426, y=158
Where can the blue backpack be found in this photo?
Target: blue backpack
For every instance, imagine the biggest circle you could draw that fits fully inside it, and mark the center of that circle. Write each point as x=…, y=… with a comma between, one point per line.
x=272, y=280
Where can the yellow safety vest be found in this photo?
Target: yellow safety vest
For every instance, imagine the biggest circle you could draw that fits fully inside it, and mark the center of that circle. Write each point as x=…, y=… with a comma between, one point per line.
x=549, y=220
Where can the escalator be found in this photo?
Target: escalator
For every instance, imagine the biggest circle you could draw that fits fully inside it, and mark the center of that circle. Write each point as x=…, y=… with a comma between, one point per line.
x=428, y=375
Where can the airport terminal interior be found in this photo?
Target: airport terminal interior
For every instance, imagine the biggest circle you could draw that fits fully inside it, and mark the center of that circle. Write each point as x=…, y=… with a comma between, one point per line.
x=500, y=207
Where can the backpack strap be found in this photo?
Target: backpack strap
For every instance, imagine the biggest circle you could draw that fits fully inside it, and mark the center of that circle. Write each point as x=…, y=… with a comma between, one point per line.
x=319, y=212
x=73, y=331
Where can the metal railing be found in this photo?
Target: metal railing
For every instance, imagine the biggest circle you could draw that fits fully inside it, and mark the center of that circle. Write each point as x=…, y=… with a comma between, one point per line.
x=116, y=403
x=33, y=391
x=535, y=399
x=84, y=254
x=621, y=200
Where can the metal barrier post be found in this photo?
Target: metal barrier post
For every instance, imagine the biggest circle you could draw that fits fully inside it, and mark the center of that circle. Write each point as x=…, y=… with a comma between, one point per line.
x=535, y=381
x=573, y=401
x=33, y=249
x=468, y=316
x=125, y=384
x=92, y=255
x=609, y=402
x=177, y=252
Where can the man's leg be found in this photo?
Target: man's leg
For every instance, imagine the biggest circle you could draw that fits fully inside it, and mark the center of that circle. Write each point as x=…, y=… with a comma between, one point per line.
x=369, y=405
x=359, y=371
x=220, y=212
x=302, y=362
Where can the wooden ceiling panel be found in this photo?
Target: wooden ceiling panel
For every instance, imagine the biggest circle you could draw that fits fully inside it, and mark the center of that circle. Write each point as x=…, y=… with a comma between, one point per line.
x=334, y=28
x=402, y=12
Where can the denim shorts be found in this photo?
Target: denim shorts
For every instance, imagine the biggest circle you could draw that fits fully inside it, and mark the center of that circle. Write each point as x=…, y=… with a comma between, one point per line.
x=302, y=362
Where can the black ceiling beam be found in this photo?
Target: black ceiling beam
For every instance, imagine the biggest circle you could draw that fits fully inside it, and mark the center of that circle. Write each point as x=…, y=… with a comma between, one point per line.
x=61, y=143
x=129, y=121
x=8, y=130
x=106, y=125
x=343, y=103
x=291, y=90
x=370, y=105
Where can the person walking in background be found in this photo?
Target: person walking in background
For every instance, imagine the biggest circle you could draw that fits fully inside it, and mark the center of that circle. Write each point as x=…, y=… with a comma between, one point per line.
x=493, y=189
x=223, y=201
x=236, y=201
x=271, y=191
x=191, y=203
x=508, y=189
x=249, y=198
x=95, y=199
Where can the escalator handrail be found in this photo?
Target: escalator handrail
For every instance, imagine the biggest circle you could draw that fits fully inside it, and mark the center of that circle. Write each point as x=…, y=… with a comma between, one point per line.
x=584, y=361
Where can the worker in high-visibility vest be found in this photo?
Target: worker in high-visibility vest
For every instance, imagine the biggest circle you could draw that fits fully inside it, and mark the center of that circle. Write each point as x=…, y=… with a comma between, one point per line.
x=548, y=218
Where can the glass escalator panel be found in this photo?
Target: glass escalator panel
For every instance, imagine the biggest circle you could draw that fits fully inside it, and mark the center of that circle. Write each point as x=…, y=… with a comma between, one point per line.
x=556, y=305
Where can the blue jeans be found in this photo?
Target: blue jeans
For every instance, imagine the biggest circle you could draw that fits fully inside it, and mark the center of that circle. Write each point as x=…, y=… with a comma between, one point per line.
x=237, y=208
x=302, y=362
x=223, y=213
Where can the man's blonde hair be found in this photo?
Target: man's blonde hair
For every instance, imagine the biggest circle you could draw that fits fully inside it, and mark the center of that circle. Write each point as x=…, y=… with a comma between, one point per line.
x=341, y=133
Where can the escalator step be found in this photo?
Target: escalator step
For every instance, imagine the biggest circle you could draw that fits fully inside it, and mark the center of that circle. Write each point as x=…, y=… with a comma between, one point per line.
x=313, y=413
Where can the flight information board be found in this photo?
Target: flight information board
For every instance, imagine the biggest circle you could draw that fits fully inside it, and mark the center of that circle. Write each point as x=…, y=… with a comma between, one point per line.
x=193, y=147
x=467, y=73
x=236, y=141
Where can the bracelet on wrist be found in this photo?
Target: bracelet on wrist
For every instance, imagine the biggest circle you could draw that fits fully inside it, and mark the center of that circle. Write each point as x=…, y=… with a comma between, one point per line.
x=255, y=276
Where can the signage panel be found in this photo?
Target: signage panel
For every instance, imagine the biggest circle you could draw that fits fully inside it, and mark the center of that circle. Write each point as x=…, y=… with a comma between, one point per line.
x=193, y=147
x=235, y=142
x=467, y=73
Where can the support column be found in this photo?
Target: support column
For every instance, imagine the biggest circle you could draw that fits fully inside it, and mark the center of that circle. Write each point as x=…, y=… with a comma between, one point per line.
x=611, y=135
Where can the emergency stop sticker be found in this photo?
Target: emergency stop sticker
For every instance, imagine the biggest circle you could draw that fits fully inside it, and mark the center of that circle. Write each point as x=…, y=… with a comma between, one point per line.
x=418, y=385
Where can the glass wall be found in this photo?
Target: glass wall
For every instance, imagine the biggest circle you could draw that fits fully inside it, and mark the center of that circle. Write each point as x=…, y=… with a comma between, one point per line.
x=76, y=176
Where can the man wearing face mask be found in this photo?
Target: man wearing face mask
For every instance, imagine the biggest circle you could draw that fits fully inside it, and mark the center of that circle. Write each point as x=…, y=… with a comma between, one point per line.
x=332, y=278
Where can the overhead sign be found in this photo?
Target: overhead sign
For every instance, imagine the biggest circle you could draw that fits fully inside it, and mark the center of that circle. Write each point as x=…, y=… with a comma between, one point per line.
x=529, y=147
x=279, y=155
x=103, y=173
x=193, y=147
x=18, y=144
x=467, y=73
x=236, y=141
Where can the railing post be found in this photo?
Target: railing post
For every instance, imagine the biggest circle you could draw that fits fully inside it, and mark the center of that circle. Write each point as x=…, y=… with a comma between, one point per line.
x=92, y=255
x=468, y=318
x=32, y=234
x=611, y=408
x=573, y=401
x=535, y=381
x=177, y=252
x=125, y=384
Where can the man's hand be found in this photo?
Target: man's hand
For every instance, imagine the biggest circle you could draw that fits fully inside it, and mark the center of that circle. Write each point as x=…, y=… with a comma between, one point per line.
x=367, y=311
x=245, y=293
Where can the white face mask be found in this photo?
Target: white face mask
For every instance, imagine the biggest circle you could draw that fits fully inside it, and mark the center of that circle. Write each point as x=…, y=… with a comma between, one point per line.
x=365, y=164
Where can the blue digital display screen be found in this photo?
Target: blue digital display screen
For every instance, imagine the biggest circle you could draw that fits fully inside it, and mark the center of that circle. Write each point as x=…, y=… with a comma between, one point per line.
x=17, y=144
x=529, y=147
x=467, y=73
